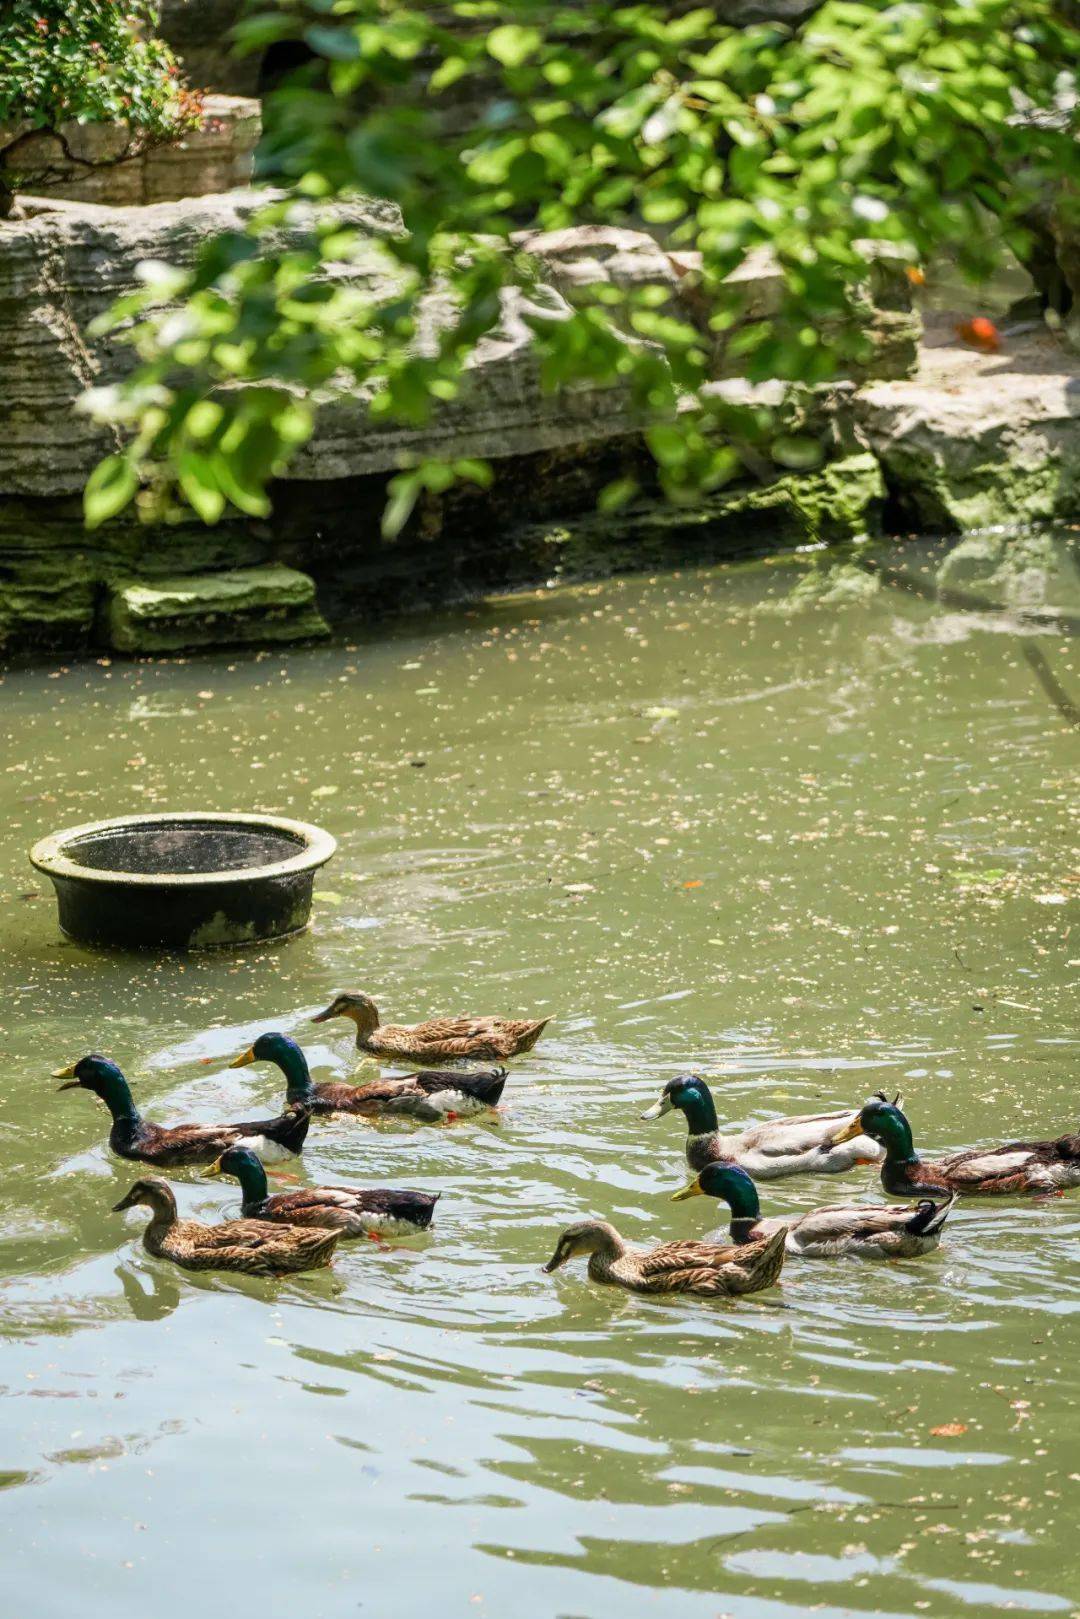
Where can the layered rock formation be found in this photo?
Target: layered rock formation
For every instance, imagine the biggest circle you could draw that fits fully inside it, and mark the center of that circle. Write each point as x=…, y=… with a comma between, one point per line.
x=63, y=264
x=109, y=163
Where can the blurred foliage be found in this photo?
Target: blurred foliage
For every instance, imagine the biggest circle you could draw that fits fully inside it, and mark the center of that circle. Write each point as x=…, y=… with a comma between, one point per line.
x=916, y=127
x=88, y=60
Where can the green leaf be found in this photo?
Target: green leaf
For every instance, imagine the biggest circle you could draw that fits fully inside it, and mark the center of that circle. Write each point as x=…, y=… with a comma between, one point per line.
x=199, y=486
x=108, y=489
x=513, y=44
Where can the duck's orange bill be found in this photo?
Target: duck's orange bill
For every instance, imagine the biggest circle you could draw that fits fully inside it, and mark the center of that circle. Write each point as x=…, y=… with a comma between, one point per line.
x=214, y=1168
x=66, y=1073
x=244, y=1058
x=852, y=1129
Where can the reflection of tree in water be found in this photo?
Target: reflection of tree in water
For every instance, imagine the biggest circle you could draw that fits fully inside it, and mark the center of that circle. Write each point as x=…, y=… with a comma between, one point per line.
x=150, y=1295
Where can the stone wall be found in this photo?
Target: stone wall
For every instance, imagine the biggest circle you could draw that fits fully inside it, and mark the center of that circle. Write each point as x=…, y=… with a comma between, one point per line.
x=64, y=263
x=108, y=164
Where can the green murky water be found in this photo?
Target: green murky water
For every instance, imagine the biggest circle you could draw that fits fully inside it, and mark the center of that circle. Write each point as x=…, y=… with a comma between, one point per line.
x=807, y=856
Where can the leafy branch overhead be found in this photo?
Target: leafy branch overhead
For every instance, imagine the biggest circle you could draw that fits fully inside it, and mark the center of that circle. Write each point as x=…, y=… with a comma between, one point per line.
x=911, y=128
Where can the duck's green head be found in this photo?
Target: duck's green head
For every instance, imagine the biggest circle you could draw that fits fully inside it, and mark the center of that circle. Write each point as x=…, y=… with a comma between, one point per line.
x=882, y=1121
x=279, y=1049
x=246, y=1167
x=98, y=1074
x=726, y=1181
x=690, y=1094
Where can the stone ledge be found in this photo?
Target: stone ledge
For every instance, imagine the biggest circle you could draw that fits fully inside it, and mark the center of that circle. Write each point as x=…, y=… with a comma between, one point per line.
x=974, y=440
x=104, y=163
x=243, y=606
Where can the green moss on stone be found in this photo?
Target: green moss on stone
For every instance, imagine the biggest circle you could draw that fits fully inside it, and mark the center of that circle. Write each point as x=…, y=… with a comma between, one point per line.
x=243, y=606
x=841, y=502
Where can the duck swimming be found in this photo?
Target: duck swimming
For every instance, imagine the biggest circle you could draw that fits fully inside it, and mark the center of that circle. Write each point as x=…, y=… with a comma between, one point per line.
x=700, y=1268
x=437, y=1040
x=871, y=1233
x=430, y=1097
x=1018, y=1167
x=803, y=1145
x=351, y=1212
x=254, y=1246
x=180, y=1145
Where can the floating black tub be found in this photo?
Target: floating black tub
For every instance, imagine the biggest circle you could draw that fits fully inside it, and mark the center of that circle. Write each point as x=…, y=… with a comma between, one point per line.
x=185, y=882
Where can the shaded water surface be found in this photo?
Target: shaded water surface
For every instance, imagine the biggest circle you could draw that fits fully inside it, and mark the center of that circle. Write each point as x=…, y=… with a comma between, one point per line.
x=807, y=856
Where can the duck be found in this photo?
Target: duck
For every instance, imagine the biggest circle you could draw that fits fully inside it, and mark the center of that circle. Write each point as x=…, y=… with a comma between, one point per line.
x=349, y=1211
x=440, y=1039
x=802, y=1145
x=1034, y=1167
x=429, y=1097
x=875, y=1232
x=257, y=1247
x=703, y=1269
x=180, y=1146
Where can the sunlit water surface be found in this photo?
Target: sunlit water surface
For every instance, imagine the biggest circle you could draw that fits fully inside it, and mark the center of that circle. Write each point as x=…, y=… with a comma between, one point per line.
x=807, y=856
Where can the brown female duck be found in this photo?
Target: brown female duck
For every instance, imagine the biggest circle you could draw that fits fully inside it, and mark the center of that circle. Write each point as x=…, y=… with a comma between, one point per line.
x=256, y=1247
x=430, y=1097
x=437, y=1040
x=180, y=1146
x=699, y=1268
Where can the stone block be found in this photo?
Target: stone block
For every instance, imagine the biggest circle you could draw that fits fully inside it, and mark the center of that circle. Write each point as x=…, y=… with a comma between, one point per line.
x=242, y=606
x=108, y=165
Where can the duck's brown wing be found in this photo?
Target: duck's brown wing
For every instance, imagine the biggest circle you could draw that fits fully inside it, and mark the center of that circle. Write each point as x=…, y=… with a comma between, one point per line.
x=181, y=1145
x=997, y=1170
x=367, y=1099
x=698, y=1267
x=681, y=1254
x=459, y=1037
x=306, y=1207
x=256, y=1246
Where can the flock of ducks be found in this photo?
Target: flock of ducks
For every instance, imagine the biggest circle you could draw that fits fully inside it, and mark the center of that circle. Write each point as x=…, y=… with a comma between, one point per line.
x=282, y=1232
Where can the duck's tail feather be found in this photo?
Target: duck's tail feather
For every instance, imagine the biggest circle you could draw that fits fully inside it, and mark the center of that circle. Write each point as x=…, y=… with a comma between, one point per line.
x=763, y=1270
x=415, y=1208
x=929, y=1217
x=485, y=1084
x=290, y=1129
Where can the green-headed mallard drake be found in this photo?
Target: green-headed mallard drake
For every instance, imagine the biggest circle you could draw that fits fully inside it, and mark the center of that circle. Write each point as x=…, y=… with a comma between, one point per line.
x=258, y=1247
x=430, y=1097
x=180, y=1146
x=1016, y=1168
x=872, y=1233
x=440, y=1039
x=674, y=1267
x=804, y=1145
x=353, y=1213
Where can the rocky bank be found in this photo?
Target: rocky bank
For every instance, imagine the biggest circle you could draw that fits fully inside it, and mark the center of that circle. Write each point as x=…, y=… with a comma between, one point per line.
x=926, y=435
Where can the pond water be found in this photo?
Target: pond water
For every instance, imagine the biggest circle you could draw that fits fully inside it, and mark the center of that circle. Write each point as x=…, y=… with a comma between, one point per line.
x=807, y=855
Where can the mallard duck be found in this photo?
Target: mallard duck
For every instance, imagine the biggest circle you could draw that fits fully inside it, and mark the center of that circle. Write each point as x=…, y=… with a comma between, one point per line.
x=439, y=1039
x=354, y=1213
x=1017, y=1167
x=872, y=1233
x=179, y=1145
x=431, y=1097
x=673, y=1267
x=803, y=1145
x=256, y=1246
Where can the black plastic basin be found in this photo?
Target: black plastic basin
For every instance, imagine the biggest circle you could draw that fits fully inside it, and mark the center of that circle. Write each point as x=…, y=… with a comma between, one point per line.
x=184, y=882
